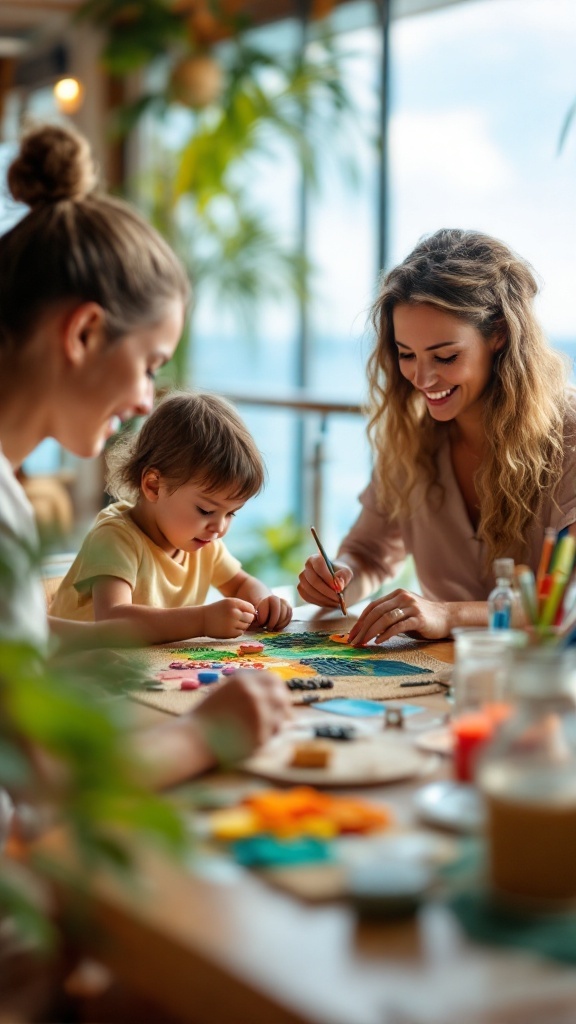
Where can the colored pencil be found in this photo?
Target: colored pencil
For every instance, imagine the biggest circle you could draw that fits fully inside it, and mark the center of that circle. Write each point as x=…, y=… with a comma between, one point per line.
x=560, y=568
x=552, y=602
x=546, y=556
x=563, y=556
x=330, y=568
x=569, y=617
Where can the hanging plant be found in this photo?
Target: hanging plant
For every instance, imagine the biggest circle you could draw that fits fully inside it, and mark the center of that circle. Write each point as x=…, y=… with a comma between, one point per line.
x=240, y=98
x=196, y=81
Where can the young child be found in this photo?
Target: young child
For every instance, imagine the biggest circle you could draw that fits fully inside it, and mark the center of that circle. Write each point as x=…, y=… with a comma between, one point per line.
x=151, y=558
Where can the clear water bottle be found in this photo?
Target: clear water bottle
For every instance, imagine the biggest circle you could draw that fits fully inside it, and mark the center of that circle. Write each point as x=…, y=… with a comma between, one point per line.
x=502, y=599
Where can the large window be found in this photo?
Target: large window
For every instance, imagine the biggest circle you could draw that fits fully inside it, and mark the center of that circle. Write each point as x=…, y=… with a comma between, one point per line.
x=283, y=348
x=480, y=91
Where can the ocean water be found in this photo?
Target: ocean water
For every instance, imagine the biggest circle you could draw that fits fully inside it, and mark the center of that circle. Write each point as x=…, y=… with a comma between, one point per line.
x=338, y=367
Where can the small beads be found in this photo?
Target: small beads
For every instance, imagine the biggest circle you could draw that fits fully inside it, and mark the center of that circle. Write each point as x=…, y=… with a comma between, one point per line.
x=335, y=732
x=317, y=683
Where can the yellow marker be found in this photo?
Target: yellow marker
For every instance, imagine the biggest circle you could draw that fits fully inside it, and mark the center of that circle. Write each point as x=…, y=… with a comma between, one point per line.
x=554, y=599
x=563, y=557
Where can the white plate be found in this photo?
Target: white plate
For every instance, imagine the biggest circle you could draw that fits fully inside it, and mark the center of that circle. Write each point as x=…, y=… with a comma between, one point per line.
x=436, y=741
x=366, y=761
x=452, y=805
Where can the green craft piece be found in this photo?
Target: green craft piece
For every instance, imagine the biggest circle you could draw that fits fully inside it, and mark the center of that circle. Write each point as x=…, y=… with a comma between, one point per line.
x=203, y=653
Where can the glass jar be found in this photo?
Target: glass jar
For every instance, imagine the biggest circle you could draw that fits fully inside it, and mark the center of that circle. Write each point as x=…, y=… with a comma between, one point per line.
x=527, y=777
x=480, y=681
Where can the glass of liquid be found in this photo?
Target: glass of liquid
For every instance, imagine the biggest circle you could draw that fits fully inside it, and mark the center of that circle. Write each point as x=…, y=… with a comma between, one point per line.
x=527, y=777
x=481, y=691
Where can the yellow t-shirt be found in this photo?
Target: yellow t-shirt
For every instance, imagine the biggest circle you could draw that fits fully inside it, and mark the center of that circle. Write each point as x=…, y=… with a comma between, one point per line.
x=115, y=546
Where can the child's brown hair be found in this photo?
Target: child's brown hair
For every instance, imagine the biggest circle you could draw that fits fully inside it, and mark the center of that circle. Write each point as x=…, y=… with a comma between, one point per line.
x=191, y=435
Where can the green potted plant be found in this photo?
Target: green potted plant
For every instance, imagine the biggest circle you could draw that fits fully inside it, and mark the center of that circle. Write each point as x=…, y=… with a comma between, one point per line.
x=64, y=763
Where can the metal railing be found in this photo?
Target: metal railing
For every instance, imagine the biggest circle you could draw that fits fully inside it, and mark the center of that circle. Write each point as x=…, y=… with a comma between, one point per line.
x=313, y=455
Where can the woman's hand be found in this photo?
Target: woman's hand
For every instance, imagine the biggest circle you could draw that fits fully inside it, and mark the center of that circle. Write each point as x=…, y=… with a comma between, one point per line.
x=243, y=713
x=273, y=612
x=401, y=612
x=228, y=618
x=316, y=585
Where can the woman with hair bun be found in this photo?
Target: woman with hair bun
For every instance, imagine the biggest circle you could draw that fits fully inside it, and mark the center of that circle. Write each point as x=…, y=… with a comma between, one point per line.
x=92, y=304
x=473, y=430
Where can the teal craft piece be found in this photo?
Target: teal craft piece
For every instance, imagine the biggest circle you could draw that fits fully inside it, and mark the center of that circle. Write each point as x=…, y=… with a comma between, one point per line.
x=373, y=667
x=265, y=851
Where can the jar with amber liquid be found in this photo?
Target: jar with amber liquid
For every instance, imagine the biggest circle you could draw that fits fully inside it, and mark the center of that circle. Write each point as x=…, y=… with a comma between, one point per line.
x=527, y=776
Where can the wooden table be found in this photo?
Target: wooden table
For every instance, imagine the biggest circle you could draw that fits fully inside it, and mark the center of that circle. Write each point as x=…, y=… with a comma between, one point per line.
x=225, y=947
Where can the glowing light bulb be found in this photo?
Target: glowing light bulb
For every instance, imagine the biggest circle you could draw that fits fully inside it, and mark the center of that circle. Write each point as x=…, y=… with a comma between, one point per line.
x=69, y=94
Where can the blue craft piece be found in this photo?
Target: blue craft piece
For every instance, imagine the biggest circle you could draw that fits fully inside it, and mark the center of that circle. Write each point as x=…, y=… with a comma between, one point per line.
x=207, y=677
x=354, y=707
x=375, y=667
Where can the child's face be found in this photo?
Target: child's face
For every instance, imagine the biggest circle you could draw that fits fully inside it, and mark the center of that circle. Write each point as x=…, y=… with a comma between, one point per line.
x=191, y=517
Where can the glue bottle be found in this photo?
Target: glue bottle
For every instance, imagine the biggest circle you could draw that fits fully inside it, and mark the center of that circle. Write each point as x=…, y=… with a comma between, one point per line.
x=502, y=599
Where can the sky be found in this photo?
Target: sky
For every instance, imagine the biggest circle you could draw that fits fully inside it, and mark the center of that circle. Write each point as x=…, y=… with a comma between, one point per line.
x=479, y=93
x=479, y=96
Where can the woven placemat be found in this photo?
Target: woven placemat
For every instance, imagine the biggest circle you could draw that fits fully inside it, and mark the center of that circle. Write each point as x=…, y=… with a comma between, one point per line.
x=373, y=673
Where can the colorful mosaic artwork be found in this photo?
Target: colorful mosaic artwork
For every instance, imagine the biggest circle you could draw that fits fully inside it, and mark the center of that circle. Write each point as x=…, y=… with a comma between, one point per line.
x=283, y=653
x=180, y=676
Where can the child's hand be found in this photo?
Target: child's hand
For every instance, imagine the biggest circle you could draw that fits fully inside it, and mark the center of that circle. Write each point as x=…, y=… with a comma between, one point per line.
x=243, y=714
x=227, y=618
x=272, y=612
x=316, y=584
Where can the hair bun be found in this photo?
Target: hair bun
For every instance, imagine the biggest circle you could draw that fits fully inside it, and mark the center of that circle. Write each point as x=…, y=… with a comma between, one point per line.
x=53, y=164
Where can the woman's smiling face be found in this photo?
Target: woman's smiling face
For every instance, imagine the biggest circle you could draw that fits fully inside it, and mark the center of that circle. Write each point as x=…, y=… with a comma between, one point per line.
x=445, y=358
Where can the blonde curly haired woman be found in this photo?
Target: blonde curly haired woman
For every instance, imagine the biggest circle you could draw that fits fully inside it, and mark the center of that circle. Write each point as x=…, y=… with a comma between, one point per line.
x=473, y=429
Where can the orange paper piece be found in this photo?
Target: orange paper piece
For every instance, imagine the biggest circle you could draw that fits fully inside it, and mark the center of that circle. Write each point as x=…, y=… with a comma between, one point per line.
x=300, y=811
x=339, y=638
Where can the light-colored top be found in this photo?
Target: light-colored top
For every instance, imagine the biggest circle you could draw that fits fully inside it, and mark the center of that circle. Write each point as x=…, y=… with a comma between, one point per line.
x=116, y=546
x=450, y=560
x=22, y=602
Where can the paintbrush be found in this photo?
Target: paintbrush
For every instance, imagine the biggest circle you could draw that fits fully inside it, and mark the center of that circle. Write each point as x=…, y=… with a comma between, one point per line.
x=330, y=568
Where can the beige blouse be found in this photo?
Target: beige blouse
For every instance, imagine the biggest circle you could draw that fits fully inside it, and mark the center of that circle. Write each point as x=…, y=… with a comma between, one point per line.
x=449, y=559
